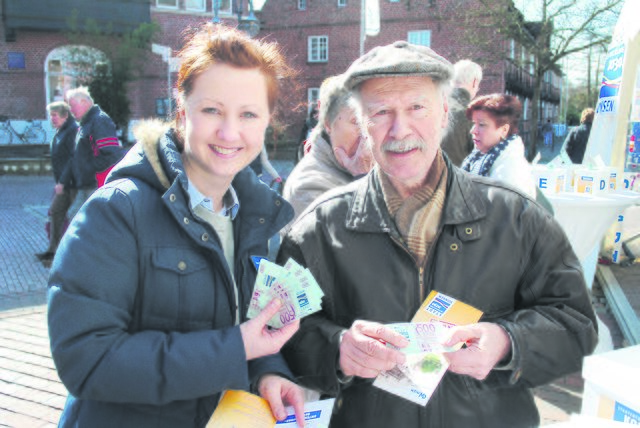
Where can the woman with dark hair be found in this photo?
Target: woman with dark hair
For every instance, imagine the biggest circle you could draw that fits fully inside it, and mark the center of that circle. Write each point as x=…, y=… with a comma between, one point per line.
x=150, y=288
x=576, y=142
x=499, y=151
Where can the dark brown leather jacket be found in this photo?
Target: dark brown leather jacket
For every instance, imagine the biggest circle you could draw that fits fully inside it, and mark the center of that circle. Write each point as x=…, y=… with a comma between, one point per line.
x=497, y=250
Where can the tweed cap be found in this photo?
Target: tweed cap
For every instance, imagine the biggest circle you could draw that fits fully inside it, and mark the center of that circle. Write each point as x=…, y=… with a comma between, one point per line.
x=398, y=59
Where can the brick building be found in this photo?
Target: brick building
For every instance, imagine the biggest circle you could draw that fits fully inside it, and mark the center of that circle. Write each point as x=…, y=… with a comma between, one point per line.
x=35, y=65
x=320, y=38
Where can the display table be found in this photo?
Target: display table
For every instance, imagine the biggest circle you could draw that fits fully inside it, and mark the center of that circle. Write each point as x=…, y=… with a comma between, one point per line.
x=585, y=218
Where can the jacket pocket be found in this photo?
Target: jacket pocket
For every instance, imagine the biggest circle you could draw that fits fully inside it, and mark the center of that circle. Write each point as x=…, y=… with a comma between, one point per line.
x=179, y=290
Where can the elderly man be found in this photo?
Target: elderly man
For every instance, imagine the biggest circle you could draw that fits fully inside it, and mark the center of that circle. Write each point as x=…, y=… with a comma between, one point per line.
x=457, y=143
x=414, y=224
x=97, y=147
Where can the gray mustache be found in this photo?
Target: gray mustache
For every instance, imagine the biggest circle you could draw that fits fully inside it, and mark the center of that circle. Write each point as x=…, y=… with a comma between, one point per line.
x=404, y=146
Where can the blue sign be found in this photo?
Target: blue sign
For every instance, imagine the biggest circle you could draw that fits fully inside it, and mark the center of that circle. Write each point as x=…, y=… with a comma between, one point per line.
x=622, y=413
x=612, y=74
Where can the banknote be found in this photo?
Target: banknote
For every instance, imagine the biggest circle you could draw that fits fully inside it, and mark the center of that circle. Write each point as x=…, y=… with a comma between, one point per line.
x=292, y=284
x=423, y=336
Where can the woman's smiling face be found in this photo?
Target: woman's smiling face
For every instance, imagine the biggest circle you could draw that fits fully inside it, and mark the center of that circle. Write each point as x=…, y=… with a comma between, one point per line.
x=224, y=121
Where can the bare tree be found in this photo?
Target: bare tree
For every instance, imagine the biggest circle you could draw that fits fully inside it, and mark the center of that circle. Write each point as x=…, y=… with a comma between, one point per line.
x=560, y=28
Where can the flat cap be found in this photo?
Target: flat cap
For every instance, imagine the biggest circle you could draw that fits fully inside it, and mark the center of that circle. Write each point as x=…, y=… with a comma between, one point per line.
x=400, y=58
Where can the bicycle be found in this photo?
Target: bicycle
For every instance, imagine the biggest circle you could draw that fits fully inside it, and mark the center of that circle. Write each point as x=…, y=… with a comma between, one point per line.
x=32, y=134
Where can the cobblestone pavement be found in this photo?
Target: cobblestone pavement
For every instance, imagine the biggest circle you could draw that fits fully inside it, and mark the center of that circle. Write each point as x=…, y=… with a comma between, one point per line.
x=31, y=394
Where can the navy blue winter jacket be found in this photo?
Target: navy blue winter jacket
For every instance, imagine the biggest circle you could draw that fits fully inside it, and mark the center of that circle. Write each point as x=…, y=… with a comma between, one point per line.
x=62, y=147
x=141, y=308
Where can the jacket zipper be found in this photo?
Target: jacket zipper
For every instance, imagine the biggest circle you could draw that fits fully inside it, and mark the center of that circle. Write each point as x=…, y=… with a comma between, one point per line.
x=421, y=269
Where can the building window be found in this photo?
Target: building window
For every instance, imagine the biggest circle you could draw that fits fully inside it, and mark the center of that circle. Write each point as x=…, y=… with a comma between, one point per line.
x=342, y=3
x=422, y=38
x=394, y=1
x=532, y=64
x=312, y=98
x=302, y=4
x=173, y=4
x=318, y=48
x=512, y=51
x=196, y=5
x=15, y=61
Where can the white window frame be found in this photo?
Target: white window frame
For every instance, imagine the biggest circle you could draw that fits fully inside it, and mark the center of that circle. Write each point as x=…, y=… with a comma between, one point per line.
x=202, y=8
x=418, y=37
x=319, y=57
x=342, y=3
x=532, y=64
x=164, y=6
x=512, y=51
x=313, y=94
x=302, y=4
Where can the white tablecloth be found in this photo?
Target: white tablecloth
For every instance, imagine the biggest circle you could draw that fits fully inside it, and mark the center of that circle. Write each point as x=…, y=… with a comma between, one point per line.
x=586, y=219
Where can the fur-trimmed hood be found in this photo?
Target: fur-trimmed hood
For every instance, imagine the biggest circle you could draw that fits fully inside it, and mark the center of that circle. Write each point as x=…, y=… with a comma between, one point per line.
x=154, y=158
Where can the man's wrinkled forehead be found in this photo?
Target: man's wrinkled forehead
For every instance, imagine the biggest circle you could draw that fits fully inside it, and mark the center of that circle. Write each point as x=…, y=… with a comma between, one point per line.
x=401, y=91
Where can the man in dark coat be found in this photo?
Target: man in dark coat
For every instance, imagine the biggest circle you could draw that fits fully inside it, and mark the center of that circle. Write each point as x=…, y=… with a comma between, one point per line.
x=62, y=146
x=416, y=224
x=97, y=148
x=457, y=143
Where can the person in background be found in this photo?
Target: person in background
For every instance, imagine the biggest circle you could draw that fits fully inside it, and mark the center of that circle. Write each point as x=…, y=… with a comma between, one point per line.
x=97, y=147
x=547, y=132
x=337, y=156
x=149, y=292
x=457, y=143
x=414, y=224
x=576, y=142
x=309, y=125
x=499, y=151
x=261, y=163
x=62, y=146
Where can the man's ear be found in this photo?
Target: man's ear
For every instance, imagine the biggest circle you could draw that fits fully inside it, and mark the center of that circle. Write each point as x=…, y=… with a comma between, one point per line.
x=327, y=127
x=445, y=116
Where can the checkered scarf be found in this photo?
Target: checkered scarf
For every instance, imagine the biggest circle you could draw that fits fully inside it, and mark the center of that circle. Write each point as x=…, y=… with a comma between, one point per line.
x=418, y=216
x=480, y=163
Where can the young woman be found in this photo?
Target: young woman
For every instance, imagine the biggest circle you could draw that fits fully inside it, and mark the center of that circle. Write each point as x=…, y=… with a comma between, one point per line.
x=150, y=288
x=499, y=151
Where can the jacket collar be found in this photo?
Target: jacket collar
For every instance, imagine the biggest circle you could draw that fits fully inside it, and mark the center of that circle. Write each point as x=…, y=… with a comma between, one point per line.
x=93, y=111
x=322, y=149
x=156, y=160
x=369, y=213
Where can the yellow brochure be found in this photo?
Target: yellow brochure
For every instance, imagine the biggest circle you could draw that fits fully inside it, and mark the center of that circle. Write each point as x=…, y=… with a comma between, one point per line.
x=440, y=307
x=241, y=409
x=417, y=379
